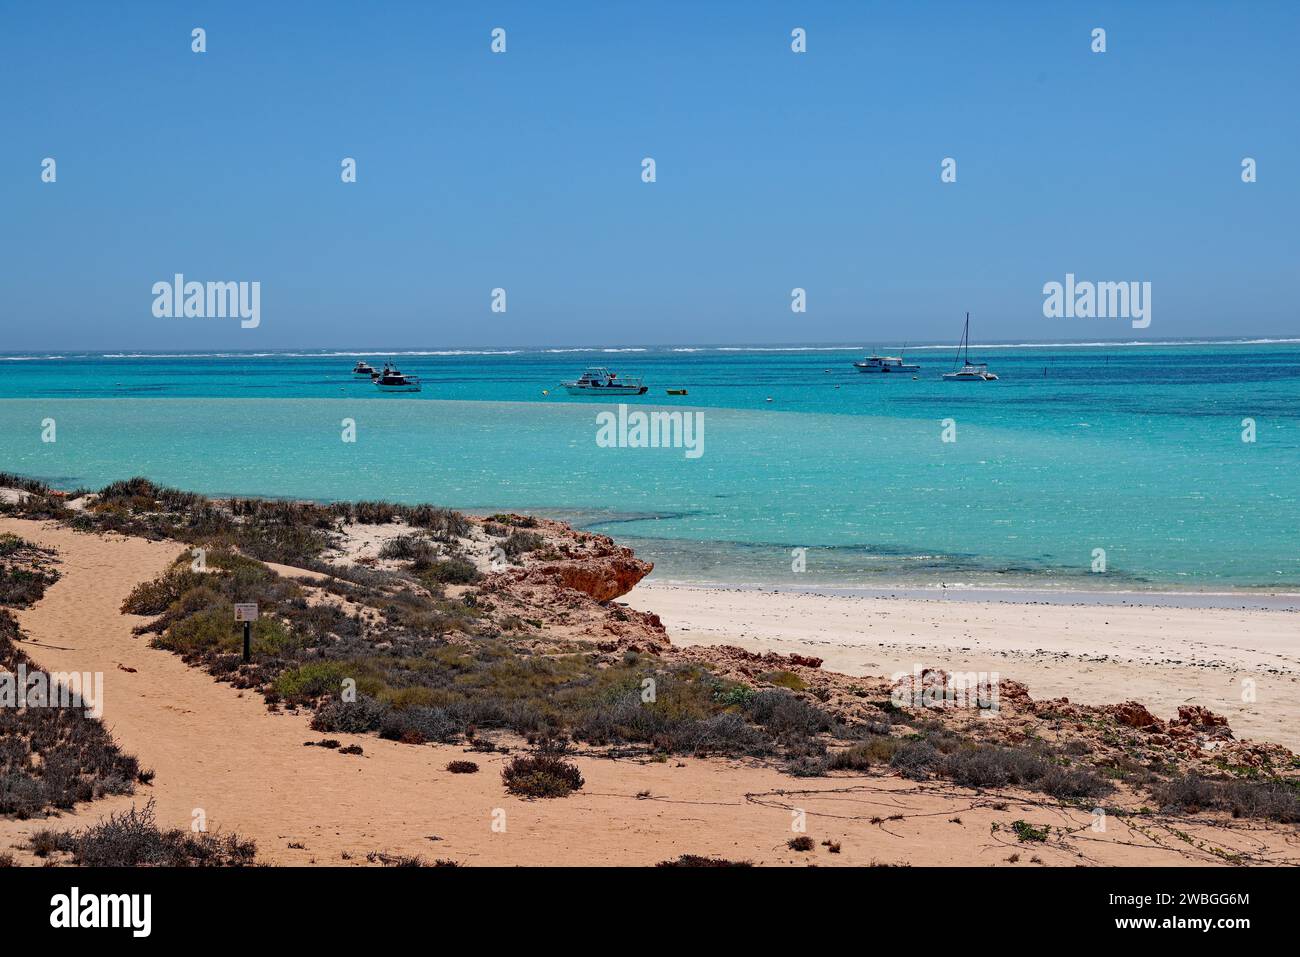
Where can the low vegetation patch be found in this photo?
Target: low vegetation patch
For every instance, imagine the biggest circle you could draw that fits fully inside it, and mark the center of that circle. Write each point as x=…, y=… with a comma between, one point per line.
x=514, y=521
x=54, y=757
x=133, y=839
x=1271, y=800
x=449, y=571
x=418, y=549
x=1027, y=832
x=700, y=860
x=25, y=572
x=541, y=776
x=784, y=679
x=520, y=543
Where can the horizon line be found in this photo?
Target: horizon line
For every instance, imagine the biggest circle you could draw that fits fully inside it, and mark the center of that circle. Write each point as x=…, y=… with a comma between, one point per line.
x=798, y=345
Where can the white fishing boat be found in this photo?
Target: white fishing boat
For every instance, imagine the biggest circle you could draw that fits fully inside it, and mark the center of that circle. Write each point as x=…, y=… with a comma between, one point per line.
x=969, y=371
x=600, y=381
x=363, y=368
x=885, y=364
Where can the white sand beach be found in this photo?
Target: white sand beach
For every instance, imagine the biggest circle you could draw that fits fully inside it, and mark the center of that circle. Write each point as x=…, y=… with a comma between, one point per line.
x=1163, y=656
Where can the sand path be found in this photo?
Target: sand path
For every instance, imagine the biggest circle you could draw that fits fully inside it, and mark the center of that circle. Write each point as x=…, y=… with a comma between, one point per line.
x=1161, y=656
x=219, y=750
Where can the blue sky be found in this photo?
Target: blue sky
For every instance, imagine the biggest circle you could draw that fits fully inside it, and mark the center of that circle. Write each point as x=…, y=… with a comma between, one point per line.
x=522, y=170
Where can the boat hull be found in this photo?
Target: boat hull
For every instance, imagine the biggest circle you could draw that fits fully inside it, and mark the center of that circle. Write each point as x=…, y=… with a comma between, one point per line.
x=885, y=369
x=604, y=390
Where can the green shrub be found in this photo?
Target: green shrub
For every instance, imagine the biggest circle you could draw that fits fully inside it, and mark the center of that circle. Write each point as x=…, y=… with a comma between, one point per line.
x=784, y=679
x=21, y=587
x=374, y=513
x=214, y=630
x=442, y=523
x=312, y=680
x=541, y=776
x=856, y=758
x=515, y=521
x=450, y=571
x=519, y=543
x=1027, y=832
x=154, y=597
x=414, y=548
x=734, y=695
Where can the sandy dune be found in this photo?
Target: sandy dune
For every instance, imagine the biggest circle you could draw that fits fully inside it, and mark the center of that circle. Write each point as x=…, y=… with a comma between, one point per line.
x=1162, y=656
x=219, y=750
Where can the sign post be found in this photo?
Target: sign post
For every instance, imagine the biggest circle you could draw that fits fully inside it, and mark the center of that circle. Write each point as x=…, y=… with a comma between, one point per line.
x=247, y=613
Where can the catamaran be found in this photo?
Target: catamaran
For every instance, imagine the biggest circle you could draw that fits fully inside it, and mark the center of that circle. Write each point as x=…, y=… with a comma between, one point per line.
x=600, y=381
x=970, y=371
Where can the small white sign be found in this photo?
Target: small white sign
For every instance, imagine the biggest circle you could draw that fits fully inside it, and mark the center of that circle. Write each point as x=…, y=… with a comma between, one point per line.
x=246, y=612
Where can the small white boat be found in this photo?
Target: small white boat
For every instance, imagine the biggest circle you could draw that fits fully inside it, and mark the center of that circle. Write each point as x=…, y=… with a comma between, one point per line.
x=885, y=364
x=600, y=381
x=363, y=368
x=969, y=371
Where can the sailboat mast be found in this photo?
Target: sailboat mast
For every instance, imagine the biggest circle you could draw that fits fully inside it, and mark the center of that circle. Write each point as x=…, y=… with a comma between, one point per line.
x=965, y=341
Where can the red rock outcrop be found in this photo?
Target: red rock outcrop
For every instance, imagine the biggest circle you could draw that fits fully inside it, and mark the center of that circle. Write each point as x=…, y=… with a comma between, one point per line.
x=603, y=579
x=581, y=561
x=1198, y=717
x=1135, y=715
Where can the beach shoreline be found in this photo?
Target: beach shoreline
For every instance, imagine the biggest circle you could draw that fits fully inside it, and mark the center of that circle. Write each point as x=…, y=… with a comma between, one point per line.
x=1252, y=599
x=1240, y=662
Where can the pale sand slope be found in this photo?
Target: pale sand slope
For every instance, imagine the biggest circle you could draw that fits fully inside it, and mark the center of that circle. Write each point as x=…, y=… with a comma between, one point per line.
x=220, y=750
x=1160, y=656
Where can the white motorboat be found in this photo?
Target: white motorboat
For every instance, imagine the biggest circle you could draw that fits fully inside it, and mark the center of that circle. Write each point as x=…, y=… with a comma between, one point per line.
x=969, y=371
x=392, y=380
x=396, y=382
x=363, y=368
x=600, y=381
x=885, y=364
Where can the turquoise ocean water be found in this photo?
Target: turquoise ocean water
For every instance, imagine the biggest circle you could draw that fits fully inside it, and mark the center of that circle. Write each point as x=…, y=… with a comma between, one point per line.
x=1136, y=449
